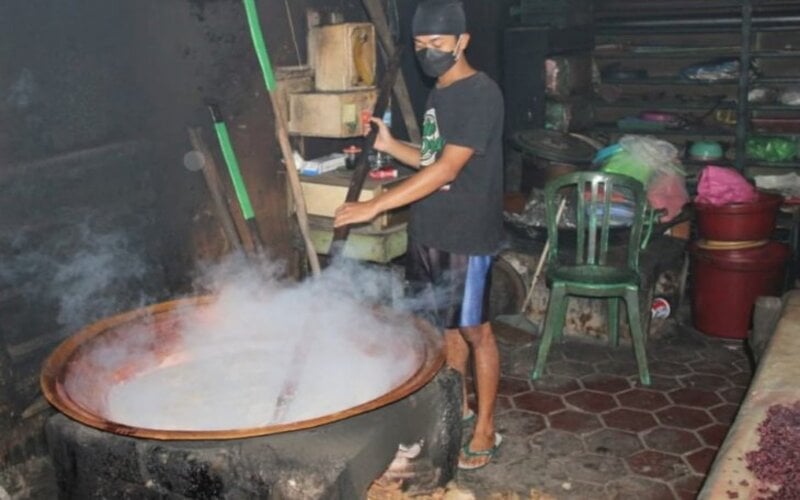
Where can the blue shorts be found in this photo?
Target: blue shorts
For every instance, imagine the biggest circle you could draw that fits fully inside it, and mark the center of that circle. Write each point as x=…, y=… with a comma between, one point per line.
x=453, y=288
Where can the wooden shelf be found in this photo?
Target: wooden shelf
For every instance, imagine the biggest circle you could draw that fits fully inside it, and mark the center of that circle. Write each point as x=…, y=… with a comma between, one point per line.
x=671, y=105
x=663, y=44
x=782, y=80
x=763, y=164
x=727, y=162
x=775, y=107
x=668, y=80
x=688, y=53
x=692, y=133
x=701, y=106
x=693, y=53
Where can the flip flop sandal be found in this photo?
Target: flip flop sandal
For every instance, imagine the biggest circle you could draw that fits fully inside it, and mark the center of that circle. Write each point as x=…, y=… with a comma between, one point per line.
x=491, y=452
x=468, y=418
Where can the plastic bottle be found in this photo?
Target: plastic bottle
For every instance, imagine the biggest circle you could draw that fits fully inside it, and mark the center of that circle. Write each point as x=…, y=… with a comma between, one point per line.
x=383, y=158
x=661, y=308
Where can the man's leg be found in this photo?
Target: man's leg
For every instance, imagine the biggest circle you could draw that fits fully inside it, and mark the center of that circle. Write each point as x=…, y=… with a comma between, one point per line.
x=487, y=376
x=458, y=359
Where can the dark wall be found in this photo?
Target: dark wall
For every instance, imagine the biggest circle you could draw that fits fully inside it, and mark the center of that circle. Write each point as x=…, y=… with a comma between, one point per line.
x=64, y=68
x=97, y=212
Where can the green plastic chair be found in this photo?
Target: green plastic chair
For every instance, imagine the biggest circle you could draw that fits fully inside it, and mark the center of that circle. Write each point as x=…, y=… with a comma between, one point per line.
x=591, y=275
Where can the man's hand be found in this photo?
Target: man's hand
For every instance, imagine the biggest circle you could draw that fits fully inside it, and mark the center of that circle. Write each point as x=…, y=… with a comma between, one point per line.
x=384, y=140
x=354, y=213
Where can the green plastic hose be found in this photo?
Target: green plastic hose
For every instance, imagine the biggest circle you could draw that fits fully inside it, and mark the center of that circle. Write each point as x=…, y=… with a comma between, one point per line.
x=233, y=166
x=260, y=46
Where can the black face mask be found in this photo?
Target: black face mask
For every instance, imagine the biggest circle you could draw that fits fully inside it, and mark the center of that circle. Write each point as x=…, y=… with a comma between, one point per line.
x=435, y=62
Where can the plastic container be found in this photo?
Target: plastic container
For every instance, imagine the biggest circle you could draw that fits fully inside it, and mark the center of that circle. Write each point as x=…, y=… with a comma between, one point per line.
x=705, y=151
x=668, y=119
x=726, y=284
x=738, y=221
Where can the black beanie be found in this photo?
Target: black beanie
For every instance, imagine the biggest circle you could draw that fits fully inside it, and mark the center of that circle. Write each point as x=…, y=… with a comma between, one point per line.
x=439, y=17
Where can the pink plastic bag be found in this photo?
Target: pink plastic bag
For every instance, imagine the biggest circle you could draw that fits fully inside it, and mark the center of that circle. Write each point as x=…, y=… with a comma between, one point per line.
x=668, y=191
x=722, y=186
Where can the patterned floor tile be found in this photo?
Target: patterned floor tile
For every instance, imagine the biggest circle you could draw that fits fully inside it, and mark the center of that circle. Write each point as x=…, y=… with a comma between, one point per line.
x=683, y=417
x=701, y=460
x=671, y=440
x=714, y=434
x=520, y=423
x=704, y=381
x=611, y=384
x=733, y=395
x=513, y=386
x=574, y=421
x=593, y=402
x=637, y=488
x=613, y=442
x=594, y=468
x=538, y=402
x=725, y=413
x=556, y=384
x=699, y=398
x=657, y=465
x=688, y=486
x=642, y=399
x=569, y=368
x=669, y=369
x=555, y=443
x=629, y=420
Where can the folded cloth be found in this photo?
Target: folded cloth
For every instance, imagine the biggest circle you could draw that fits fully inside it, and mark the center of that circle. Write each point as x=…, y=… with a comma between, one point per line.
x=722, y=186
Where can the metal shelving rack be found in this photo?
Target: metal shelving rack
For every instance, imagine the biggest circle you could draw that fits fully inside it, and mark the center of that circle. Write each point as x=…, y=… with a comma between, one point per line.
x=746, y=25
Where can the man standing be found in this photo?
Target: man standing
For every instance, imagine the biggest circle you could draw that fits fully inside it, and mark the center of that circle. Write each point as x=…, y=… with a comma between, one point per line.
x=456, y=205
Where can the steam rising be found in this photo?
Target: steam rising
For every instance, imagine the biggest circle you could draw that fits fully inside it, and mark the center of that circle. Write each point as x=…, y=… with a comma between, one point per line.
x=88, y=275
x=231, y=359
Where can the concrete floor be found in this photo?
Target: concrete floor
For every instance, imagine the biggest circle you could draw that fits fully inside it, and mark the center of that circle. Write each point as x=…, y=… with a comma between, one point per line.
x=588, y=430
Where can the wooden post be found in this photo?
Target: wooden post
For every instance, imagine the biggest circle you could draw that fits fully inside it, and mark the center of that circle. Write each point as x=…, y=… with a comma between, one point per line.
x=215, y=187
x=377, y=15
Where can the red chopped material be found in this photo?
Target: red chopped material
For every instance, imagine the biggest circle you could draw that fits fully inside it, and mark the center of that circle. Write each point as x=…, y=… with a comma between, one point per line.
x=777, y=460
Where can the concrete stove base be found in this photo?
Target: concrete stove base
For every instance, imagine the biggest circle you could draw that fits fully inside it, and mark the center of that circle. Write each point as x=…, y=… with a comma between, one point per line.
x=335, y=461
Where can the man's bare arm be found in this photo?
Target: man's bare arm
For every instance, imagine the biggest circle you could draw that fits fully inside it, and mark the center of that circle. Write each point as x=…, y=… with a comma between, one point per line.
x=426, y=181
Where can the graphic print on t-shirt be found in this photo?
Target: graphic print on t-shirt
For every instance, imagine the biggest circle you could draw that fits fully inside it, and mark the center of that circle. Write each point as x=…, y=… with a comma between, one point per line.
x=432, y=141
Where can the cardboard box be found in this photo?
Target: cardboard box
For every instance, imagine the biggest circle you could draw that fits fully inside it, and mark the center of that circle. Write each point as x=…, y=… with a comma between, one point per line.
x=330, y=114
x=343, y=56
x=292, y=80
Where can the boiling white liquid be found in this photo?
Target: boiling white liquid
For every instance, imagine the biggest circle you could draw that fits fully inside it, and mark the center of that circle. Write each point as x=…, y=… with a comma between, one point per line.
x=238, y=386
x=233, y=357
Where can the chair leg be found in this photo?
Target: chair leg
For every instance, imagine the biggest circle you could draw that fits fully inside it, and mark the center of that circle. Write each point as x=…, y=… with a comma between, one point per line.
x=613, y=321
x=558, y=327
x=637, y=335
x=555, y=317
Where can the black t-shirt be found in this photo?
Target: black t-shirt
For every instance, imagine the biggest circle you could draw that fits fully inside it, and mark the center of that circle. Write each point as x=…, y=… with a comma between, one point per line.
x=465, y=217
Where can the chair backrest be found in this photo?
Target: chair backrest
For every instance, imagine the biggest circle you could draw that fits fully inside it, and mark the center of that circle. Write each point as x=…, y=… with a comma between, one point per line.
x=595, y=194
